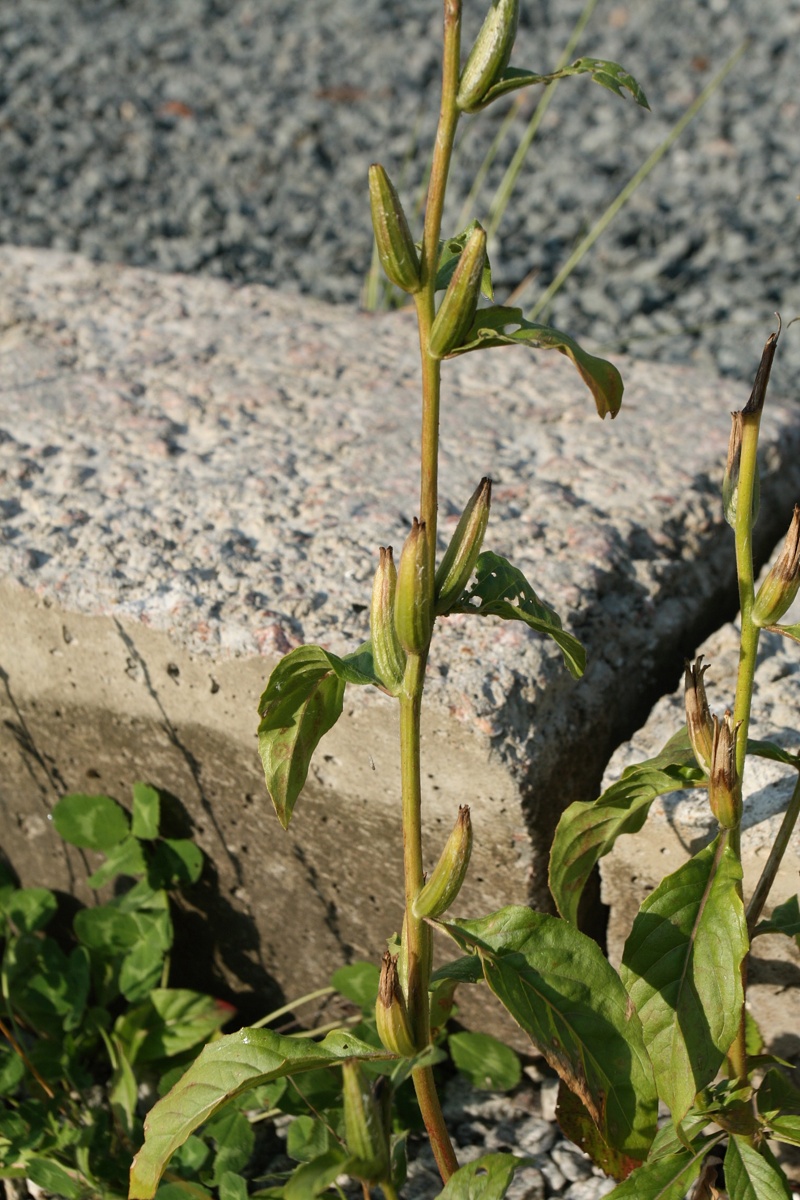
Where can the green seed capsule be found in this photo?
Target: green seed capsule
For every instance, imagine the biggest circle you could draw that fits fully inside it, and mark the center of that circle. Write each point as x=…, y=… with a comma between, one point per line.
x=391, y=1017
x=459, y=305
x=490, y=55
x=396, y=248
x=778, y=591
x=389, y=656
x=448, y=875
x=456, y=567
x=413, y=606
x=364, y=1125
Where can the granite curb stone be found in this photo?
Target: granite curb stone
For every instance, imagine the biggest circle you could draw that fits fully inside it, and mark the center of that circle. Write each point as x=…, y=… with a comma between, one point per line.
x=196, y=478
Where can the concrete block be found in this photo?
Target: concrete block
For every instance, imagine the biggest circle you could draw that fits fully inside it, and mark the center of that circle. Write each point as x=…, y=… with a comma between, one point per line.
x=680, y=823
x=195, y=478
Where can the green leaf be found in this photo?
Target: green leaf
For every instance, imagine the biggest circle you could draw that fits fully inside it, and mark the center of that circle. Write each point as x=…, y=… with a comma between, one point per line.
x=146, y=816
x=29, y=909
x=184, y=1019
x=307, y=1138
x=106, y=930
x=313, y=1178
x=500, y=590
x=588, y=830
x=141, y=970
x=490, y=328
x=358, y=983
x=486, y=1178
x=53, y=1178
x=184, y=1189
x=462, y=970
x=773, y=752
x=790, y=631
x=232, y=1186
x=126, y=858
x=785, y=918
x=778, y=1103
x=90, y=822
x=223, y=1070
x=175, y=862
x=12, y=1071
x=234, y=1137
x=302, y=701
x=49, y=988
x=576, y=1124
x=449, y=254
x=564, y=993
x=750, y=1176
x=487, y=1062
x=608, y=74
x=667, y=1177
x=681, y=966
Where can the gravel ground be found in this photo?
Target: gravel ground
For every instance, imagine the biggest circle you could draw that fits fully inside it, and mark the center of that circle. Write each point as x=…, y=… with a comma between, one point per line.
x=233, y=137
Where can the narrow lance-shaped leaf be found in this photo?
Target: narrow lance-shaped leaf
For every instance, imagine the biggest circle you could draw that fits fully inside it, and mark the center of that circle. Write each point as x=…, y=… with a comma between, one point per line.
x=608, y=74
x=681, y=966
x=490, y=328
x=500, y=590
x=589, y=829
x=224, y=1069
x=302, y=701
x=559, y=987
x=753, y=1175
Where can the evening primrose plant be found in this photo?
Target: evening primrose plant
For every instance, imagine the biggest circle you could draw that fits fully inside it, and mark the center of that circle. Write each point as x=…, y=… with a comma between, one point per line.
x=621, y=1042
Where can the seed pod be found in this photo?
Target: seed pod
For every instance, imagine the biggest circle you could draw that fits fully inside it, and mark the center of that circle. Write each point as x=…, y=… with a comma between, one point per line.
x=388, y=655
x=459, y=305
x=448, y=875
x=455, y=569
x=413, y=605
x=780, y=587
x=698, y=716
x=490, y=55
x=724, y=785
x=396, y=248
x=364, y=1126
x=391, y=1017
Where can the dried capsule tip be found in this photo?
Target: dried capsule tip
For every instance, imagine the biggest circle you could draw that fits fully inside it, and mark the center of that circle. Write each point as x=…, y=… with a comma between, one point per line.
x=388, y=655
x=698, y=716
x=759, y=392
x=459, y=560
x=448, y=875
x=778, y=591
x=724, y=787
x=391, y=1018
x=396, y=248
x=457, y=310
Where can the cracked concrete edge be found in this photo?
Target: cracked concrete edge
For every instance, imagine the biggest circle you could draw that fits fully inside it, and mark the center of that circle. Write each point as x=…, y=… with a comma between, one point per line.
x=680, y=823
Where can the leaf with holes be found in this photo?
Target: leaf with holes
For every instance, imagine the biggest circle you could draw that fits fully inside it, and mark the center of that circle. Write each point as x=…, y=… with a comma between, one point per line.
x=681, y=966
x=608, y=74
x=500, y=590
x=559, y=987
x=588, y=829
x=491, y=328
x=486, y=1178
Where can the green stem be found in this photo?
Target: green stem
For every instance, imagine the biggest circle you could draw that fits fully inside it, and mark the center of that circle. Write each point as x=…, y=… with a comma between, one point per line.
x=389, y=1190
x=779, y=848
x=417, y=934
x=748, y=649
